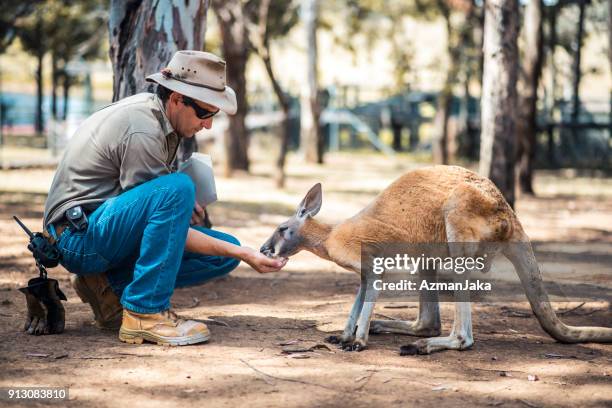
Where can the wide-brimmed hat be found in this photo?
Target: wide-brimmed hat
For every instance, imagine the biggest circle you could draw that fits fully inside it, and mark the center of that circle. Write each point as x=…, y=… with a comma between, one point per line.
x=198, y=75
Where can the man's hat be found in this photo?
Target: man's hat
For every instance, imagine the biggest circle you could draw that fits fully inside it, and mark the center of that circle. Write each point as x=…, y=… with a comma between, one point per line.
x=198, y=75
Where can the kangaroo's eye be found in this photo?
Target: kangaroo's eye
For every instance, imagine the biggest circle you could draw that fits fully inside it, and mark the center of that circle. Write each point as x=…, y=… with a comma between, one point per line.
x=282, y=229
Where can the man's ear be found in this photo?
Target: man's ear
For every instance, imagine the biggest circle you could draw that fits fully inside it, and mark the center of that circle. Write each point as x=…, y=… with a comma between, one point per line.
x=311, y=204
x=175, y=97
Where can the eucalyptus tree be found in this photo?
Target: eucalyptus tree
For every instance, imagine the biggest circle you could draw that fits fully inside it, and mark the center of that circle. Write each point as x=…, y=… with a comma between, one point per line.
x=499, y=97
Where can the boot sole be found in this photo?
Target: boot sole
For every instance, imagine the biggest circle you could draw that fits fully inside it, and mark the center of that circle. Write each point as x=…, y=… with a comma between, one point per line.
x=138, y=337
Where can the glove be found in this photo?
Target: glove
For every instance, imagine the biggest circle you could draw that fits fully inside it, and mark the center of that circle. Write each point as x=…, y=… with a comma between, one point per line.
x=46, y=314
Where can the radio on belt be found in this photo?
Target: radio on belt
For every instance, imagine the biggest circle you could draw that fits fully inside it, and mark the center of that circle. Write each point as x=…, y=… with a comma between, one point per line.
x=76, y=216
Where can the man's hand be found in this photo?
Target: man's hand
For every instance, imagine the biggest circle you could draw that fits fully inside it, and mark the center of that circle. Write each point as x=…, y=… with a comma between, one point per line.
x=262, y=263
x=198, y=215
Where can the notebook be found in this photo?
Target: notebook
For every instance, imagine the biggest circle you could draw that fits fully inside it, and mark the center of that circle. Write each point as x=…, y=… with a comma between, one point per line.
x=199, y=168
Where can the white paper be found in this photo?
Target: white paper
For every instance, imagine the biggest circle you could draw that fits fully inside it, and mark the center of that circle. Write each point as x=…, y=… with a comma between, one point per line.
x=199, y=168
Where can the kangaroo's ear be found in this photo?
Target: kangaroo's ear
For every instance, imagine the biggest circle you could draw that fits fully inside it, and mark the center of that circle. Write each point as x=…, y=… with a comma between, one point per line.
x=311, y=204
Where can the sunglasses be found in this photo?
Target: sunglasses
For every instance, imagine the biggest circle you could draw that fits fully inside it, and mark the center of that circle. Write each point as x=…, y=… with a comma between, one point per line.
x=200, y=112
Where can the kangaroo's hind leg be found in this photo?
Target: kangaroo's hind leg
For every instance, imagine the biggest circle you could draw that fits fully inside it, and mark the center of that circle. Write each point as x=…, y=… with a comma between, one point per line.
x=428, y=322
x=461, y=337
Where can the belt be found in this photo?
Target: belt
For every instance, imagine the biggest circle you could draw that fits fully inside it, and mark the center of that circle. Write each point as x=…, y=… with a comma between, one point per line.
x=59, y=228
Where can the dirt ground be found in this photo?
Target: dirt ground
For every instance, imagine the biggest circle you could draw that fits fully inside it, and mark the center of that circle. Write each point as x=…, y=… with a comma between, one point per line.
x=267, y=346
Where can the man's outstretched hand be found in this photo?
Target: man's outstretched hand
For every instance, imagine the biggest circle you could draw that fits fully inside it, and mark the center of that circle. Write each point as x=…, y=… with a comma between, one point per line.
x=262, y=263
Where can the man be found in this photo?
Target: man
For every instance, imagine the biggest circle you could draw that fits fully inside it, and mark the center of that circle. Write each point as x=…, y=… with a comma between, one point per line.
x=121, y=218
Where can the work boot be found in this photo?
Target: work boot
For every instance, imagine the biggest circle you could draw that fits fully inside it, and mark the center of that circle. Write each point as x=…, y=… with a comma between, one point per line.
x=165, y=329
x=95, y=290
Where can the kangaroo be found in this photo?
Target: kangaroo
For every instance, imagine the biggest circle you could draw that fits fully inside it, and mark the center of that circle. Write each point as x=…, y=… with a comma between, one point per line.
x=437, y=204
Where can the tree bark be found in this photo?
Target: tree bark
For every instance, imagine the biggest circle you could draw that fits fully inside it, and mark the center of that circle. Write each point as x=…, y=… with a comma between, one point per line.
x=311, y=137
x=67, y=82
x=40, y=53
x=144, y=34
x=499, y=98
x=261, y=44
x=440, y=144
x=54, y=84
x=528, y=96
x=235, y=46
x=552, y=67
x=577, y=76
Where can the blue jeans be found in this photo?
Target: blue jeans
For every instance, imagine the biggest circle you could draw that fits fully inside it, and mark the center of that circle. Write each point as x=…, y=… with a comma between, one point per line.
x=138, y=239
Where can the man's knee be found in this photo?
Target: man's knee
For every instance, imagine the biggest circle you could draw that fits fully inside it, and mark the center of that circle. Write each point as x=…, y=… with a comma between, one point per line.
x=180, y=185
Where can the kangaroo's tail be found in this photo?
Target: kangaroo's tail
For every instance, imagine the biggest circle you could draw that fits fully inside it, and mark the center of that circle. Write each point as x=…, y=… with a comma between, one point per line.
x=522, y=257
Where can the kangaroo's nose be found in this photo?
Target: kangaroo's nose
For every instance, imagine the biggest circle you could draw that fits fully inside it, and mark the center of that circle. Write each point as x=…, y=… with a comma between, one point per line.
x=267, y=250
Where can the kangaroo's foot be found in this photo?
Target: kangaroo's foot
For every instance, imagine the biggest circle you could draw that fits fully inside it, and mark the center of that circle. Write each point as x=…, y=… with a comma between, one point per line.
x=355, y=345
x=428, y=346
x=347, y=344
x=416, y=328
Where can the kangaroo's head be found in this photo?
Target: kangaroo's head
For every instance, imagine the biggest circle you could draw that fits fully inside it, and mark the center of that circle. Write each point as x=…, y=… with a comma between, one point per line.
x=288, y=239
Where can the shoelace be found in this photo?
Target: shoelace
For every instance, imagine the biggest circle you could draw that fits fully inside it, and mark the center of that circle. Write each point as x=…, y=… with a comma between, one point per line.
x=172, y=316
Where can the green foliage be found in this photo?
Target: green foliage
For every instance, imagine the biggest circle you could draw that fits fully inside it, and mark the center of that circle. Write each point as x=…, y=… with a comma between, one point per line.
x=11, y=12
x=380, y=20
x=67, y=28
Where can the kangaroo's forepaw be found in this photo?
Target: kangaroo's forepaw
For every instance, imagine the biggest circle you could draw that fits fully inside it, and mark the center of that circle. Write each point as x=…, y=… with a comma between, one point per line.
x=357, y=345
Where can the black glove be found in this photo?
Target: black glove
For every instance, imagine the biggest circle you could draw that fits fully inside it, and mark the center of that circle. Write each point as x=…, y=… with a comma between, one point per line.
x=46, y=313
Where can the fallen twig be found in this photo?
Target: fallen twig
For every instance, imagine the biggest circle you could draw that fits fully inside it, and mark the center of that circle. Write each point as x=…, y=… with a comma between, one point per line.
x=560, y=356
x=529, y=404
x=41, y=355
x=366, y=378
x=265, y=375
x=571, y=310
x=386, y=317
x=399, y=307
x=508, y=312
x=216, y=322
x=411, y=380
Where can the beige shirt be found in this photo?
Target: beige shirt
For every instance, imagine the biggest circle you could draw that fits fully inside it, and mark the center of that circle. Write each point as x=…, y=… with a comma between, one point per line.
x=115, y=149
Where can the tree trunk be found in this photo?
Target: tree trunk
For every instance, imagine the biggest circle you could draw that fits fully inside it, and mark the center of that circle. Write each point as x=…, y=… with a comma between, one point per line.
x=529, y=80
x=40, y=53
x=54, y=79
x=144, y=34
x=610, y=61
x=284, y=103
x=235, y=46
x=499, y=99
x=396, y=128
x=311, y=136
x=458, y=38
x=552, y=67
x=577, y=76
x=261, y=44
x=237, y=136
x=67, y=82
x=440, y=145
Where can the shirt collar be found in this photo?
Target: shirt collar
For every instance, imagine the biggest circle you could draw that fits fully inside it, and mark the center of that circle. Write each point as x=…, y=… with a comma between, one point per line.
x=163, y=118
